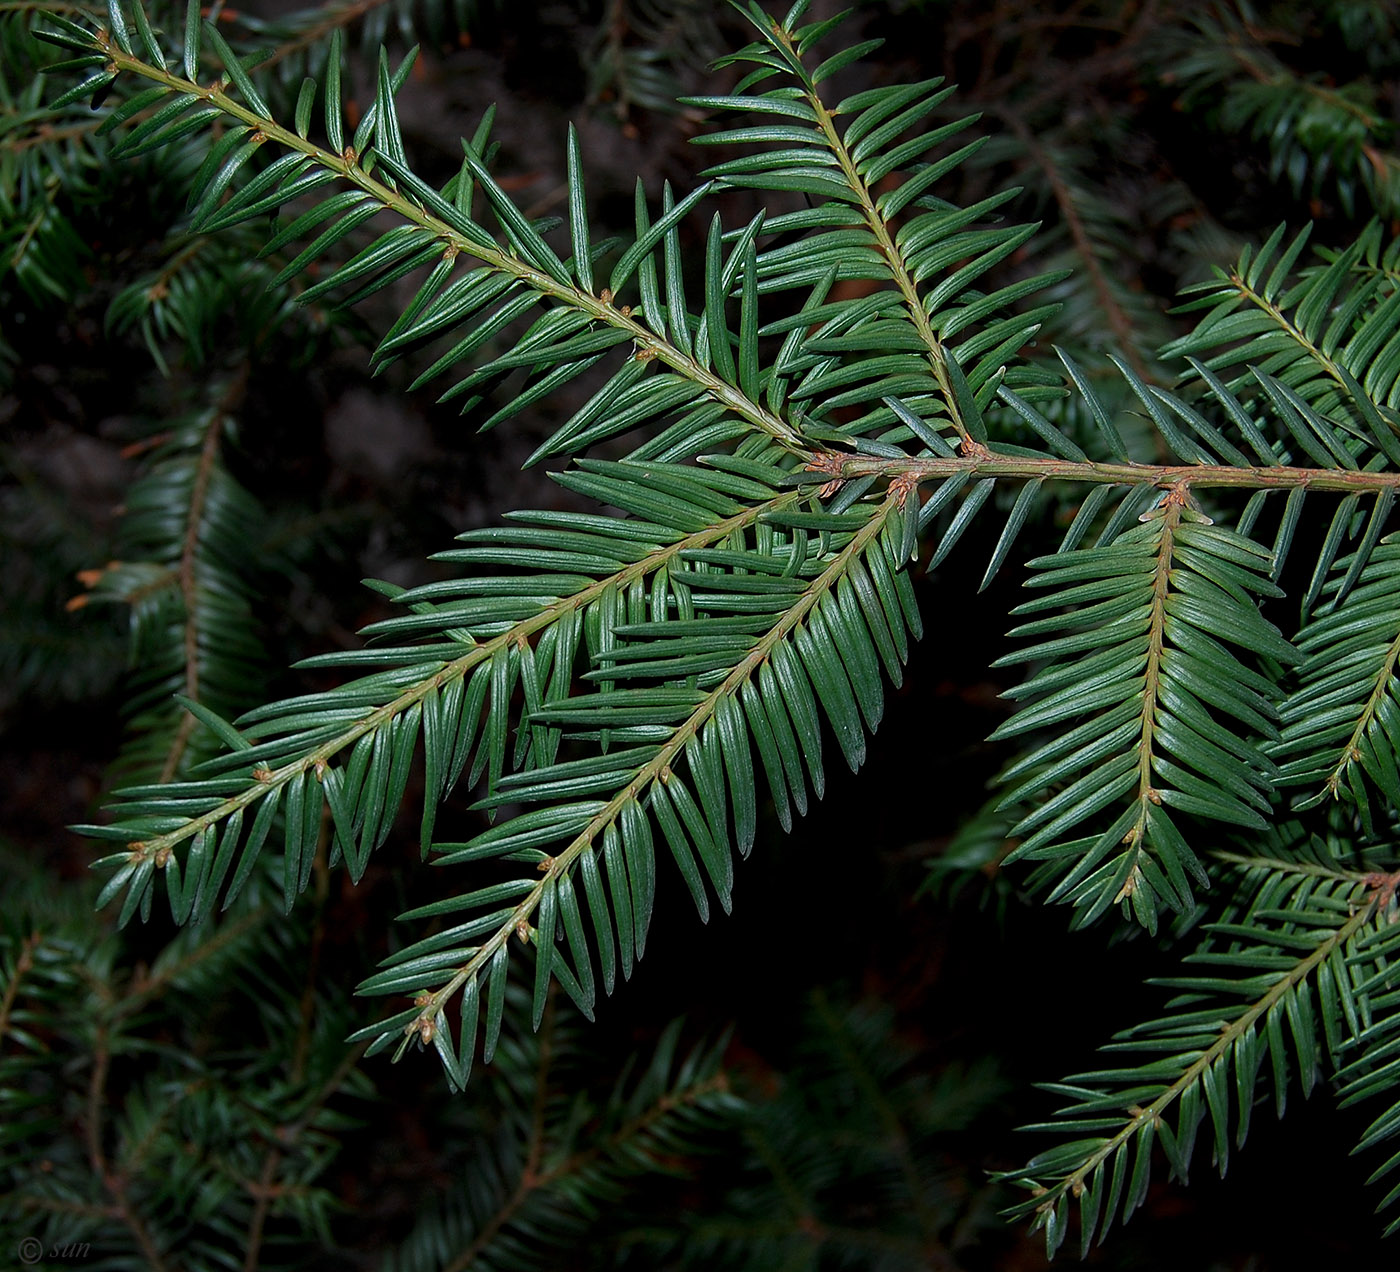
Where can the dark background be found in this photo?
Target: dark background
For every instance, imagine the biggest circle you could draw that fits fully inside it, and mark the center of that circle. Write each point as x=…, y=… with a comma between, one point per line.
x=363, y=480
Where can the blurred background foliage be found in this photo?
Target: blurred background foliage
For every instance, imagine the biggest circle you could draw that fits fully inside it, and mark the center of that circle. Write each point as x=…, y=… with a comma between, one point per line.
x=194, y=475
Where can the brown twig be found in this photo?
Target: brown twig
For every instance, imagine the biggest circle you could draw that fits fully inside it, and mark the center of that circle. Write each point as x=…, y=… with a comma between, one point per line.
x=23, y=964
x=533, y=1180
x=335, y=19
x=1123, y=330
x=264, y=1190
x=189, y=563
x=113, y=1181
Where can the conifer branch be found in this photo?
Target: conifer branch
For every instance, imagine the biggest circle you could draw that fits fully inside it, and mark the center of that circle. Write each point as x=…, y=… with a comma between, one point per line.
x=1376, y=701
x=114, y=1180
x=655, y=770
x=988, y=463
x=614, y=680
x=346, y=166
x=1124, y=332
x=884, y=237
x=24, y=963
x=157, y=849
x=1147, y=794
x=188, y=569
x=1276, y=864
x=1048, y=1201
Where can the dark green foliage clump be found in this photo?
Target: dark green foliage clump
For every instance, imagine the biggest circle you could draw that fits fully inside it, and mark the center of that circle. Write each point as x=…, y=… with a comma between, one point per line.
x=767, y=411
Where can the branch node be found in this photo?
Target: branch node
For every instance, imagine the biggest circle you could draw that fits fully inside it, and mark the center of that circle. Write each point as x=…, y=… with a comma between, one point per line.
x=828, y=463
x=904, y=485
x=1382, y=890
